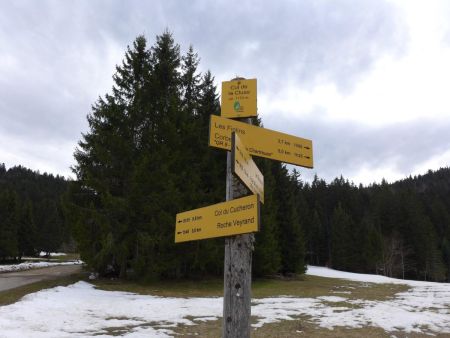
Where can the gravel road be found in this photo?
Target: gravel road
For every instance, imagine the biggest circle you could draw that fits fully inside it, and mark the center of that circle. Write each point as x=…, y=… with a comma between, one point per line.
x=11, y=280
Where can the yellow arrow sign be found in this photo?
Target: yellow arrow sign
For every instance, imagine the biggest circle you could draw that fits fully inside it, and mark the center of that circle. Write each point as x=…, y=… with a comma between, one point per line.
x=234, y=217
x=243, y=166
x=238, y=98
x=261, y=142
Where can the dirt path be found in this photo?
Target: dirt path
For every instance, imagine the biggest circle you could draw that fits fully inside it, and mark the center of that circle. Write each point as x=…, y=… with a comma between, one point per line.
x=13, y=280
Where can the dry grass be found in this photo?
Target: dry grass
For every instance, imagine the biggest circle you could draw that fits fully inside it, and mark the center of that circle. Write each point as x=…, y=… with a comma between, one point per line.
x=299, y=327
x=203, y=288
x=313, y=286
x=307, y=286
x=289, y=328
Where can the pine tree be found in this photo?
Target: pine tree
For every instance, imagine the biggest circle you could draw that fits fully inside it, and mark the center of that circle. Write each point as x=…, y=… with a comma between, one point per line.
x=164, y=160
x=213, y=161
x=368, y=243
x=446, y=254
x=210, y=176
x=317, y=241
x=290, y=230
x=267, y=256
x=26, y=231
x=8, y=225
x=50, y=227
x=342, y=254
x=204, y=176
x=106, y=157
x=190, y=82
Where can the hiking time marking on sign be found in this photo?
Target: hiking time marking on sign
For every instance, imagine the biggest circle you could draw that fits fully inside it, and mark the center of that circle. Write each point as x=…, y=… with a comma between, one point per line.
x=234, y=217
x=261, y=142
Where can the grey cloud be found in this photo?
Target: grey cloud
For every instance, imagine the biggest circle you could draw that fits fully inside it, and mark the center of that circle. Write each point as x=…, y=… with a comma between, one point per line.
x=57, y=57
x=303, y=42
x=342, y=148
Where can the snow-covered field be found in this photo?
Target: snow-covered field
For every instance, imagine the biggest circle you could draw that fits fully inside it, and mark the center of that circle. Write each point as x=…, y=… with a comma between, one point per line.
x=34, y=265
x=80, y=310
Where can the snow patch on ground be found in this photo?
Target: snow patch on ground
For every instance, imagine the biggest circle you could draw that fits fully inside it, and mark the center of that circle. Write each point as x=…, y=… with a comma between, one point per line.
x=361, y=277
x=34, y=265
x=52, y=254
x=408, y=311
x=332, y=299
x=80, y=310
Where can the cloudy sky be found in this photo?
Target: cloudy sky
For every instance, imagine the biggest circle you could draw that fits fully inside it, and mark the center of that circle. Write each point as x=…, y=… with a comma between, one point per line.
x=367, y=81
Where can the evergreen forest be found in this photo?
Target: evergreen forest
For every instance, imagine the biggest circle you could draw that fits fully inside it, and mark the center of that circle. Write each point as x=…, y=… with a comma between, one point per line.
x=31, y=214
x=146, y=158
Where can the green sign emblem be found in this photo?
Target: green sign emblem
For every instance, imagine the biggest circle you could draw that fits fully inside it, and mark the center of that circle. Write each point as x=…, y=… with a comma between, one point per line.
x=237, y=106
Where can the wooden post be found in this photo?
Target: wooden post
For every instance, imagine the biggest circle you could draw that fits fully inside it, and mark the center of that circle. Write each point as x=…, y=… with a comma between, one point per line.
x=237, y=270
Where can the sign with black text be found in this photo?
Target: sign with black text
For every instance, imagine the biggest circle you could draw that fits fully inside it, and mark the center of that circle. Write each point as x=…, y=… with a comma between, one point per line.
x=238, y=98
x=261, y=142
x=229, y=218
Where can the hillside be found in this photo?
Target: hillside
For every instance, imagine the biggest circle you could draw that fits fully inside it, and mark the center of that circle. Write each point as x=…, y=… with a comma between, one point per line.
x=31, y=213
x=400, y=230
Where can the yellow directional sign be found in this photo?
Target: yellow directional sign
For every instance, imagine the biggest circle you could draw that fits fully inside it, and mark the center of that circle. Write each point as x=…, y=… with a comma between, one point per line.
x=234, y=217
x=261, y=142
x=245, y=168
x=239, y=98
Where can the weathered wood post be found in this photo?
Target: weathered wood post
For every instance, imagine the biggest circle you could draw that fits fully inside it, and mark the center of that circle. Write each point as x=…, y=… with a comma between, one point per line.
x=237, y=269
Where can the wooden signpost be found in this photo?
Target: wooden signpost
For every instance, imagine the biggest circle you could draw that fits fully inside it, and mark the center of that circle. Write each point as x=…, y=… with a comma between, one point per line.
x=238, y=218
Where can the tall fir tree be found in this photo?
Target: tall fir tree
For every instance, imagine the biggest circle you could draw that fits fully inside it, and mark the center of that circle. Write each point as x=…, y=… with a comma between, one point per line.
x=26, y=231
x=267, y=255
x=8, y=224
x=342, y=250
x=290, y=230
x=106, y=157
